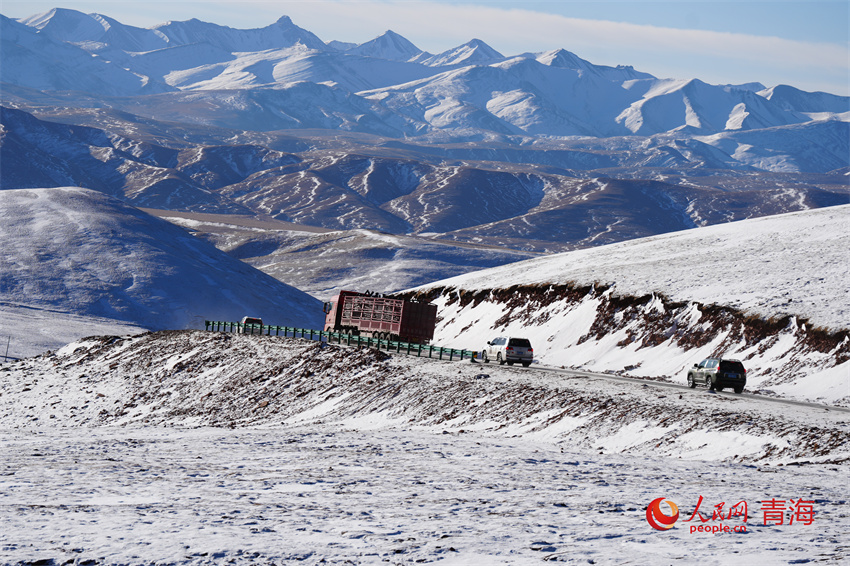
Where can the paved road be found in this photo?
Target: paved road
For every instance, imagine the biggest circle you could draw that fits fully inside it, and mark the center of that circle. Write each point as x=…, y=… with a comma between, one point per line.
x=664, y=384
x=650, y=383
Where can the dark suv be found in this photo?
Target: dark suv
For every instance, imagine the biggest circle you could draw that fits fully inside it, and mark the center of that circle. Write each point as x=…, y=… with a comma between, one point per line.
x=718, y=373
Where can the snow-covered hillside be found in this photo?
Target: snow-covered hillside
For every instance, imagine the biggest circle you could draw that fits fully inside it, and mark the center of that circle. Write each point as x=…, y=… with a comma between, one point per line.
x=788, y=264
x=771, y=291
x=79, y=252
x=244, y=449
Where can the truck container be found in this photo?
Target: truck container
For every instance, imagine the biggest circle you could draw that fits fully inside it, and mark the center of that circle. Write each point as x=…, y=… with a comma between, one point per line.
x=374, y=315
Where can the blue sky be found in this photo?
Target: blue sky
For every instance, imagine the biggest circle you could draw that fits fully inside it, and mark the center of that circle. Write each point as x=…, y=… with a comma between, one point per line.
x=804, y=44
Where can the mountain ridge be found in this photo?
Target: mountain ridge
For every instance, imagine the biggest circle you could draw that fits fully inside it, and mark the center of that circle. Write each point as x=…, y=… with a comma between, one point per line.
x=417, y=93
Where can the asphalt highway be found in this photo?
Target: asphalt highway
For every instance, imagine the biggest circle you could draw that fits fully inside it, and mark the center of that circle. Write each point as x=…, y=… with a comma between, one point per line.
x=674, y=386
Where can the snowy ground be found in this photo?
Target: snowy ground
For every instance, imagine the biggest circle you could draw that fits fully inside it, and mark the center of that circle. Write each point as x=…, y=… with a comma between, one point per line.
x=205, y=448
x=772, y=292
x=30, y=331
x=324, y=494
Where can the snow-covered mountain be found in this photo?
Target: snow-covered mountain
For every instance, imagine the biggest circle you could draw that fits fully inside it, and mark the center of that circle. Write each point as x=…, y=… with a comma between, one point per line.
x=704, y=108
x=463, y=93
x=474, y=52
x=80, y=252
x=96, y=31
x=791, y=98
x=390, y=46
x=567, y=60
x=477, y=196
x=41, y=62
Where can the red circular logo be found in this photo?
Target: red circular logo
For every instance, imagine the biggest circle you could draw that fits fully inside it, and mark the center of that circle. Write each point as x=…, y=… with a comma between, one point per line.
x=657, y=519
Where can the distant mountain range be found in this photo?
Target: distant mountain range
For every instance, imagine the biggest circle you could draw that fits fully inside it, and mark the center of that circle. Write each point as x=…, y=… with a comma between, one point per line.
x=539, y=152
x=386, y=86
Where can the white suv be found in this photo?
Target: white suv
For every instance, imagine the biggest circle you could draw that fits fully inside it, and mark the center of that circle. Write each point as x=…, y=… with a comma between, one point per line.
x=505, y=349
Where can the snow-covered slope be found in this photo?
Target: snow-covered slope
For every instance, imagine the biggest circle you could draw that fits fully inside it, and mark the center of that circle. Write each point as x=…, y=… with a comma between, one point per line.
x=277, y=451
x=80, y=252
x=789, y=264
x=771, y=291
x=702, y=108
x=39, y=62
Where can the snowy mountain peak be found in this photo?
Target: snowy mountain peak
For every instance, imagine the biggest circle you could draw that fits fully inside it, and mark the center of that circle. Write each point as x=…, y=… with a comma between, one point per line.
x=473, y=52
x=283, y=33
x=390, y=46
x=67, y=25
x=789, y=97
x=561, y=58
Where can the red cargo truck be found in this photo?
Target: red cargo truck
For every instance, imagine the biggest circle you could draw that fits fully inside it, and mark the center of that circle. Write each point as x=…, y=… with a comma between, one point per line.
x=381, y=317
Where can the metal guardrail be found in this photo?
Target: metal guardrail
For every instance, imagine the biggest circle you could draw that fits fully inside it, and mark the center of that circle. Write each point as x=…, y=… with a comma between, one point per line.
x=409, y=348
